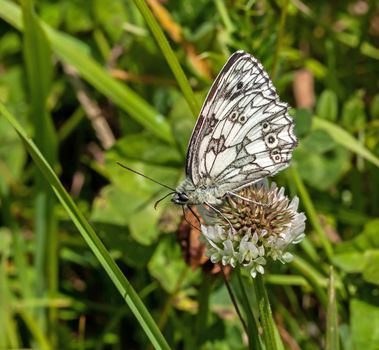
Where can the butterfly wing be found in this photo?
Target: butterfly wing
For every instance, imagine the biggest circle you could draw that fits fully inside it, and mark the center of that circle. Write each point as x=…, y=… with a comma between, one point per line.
x=244, y=132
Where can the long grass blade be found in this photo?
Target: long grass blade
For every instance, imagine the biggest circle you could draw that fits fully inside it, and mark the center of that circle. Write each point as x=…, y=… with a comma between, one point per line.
x=169, y=55
x=272, y=340
x=39, y=71
x=342, y=137
x=91, y=238
x=253, y=333
x=332, y=338
x=311, y=211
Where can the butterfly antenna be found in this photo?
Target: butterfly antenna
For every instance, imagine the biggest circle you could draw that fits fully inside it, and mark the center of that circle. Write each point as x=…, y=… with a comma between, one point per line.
x=146, y=177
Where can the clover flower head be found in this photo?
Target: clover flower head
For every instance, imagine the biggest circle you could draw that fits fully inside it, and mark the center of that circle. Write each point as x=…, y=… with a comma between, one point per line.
x=257, y=224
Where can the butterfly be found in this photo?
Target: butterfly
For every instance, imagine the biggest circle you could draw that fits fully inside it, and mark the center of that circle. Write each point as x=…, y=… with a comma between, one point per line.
x=242, y=135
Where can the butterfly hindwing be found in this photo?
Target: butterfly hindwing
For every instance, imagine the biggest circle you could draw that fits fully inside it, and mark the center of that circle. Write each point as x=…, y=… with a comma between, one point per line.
x=244, y=132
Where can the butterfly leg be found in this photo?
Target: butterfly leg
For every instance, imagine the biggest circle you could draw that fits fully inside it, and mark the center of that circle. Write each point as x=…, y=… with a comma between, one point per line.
x=194, y=214
x=185, y=218
x=246, y=199
x=224, y=217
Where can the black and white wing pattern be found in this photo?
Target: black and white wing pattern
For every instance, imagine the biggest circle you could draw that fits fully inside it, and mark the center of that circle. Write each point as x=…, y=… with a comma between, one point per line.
x=244, y=132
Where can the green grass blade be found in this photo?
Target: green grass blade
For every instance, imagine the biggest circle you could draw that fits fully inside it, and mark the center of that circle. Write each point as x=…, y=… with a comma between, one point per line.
x=314, y=278
x=35, y=330
x=119, y=93
x=311, y=211
x=270, y=337
x=332, y=338
x=72, y=52
x=39, y=73
x=169, y=55
x=253, y=333
x=91, y=238
x=345, y=139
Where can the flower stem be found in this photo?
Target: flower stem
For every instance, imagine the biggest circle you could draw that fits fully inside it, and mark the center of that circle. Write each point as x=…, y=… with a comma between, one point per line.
x=265, y=314
x=253, y=334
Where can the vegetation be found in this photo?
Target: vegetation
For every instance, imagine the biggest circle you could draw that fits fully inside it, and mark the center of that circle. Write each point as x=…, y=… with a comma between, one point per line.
x=87, y=262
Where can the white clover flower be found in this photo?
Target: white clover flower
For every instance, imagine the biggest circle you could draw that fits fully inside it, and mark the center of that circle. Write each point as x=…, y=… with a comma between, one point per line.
x=248, y=232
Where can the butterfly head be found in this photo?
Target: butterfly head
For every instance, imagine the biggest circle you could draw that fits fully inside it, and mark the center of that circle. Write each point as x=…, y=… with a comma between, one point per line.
x=180, y=198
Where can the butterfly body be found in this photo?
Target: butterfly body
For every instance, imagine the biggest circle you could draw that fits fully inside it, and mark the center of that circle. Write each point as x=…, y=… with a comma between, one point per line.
x=243, y=134
x=188, y=193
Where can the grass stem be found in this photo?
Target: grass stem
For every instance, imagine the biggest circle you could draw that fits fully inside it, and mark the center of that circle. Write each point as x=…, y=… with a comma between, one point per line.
x=265, y=313
x=169, y=55
x=253, y=334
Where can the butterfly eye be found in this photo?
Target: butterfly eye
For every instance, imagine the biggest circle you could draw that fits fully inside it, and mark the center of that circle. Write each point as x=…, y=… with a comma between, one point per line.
x=239, y=85
x=183, y=197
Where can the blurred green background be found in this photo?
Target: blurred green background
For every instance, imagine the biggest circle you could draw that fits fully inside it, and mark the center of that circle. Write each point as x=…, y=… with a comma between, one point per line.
x=91, y=86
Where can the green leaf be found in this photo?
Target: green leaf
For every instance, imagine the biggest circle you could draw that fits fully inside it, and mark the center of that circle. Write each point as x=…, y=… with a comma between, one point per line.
x=119, y=280
x=327, y=105
x=324, y=169
x=111, y=15
x=364, y=325
x=9, y=44
x=371, y=264
x=319, y=141
x=146, y=148
x=316, y=67
x=123, y=207
x=351, y=262
x=374, y=107
x=182, y=121
x=368, y=239
x=370, y=50
x=353, y=113
x=168, y=266
x=116, y=206
x=345, y=139
x=123, y=245
x=77, y=17
x=143, y=226
x=303, y=121
x=359, y=254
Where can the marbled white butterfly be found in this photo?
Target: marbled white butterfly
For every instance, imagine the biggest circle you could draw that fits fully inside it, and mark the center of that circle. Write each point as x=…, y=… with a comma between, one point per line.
x=243, y=134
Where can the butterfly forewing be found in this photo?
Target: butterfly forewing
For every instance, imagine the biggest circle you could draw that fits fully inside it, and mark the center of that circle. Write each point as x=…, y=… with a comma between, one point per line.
x=244, y=132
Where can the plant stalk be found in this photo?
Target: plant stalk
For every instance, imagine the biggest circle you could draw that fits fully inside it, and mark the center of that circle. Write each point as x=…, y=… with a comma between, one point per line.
x=253, y=334
x=265, y=313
